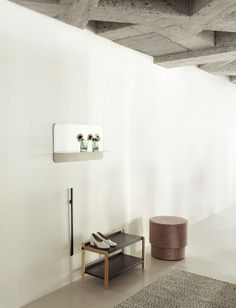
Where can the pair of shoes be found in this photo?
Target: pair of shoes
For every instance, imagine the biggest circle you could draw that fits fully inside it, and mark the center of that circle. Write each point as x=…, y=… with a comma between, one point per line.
x=101, y=241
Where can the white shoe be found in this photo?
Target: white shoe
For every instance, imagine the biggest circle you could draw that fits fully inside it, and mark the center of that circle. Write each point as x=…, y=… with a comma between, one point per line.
x=106, y=240
x=99, y=243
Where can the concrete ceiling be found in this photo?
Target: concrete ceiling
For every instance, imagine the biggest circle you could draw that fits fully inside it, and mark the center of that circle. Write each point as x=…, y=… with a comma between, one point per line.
x=175, y=32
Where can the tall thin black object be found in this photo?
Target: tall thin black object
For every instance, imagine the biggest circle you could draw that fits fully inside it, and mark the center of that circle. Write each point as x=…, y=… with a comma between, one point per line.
x=71, y=224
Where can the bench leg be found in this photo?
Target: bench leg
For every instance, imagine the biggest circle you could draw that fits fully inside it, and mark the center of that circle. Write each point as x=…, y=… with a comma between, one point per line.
x=82, y=268
x=143, y=252
x=106, y=271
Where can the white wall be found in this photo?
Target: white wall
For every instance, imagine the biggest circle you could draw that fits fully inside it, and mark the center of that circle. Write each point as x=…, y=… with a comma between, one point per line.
x=184, y=161
x=171, y=132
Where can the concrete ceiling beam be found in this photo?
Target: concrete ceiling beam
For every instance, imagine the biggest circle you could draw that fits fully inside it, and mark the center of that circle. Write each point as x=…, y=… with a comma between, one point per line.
x=224, y=21
x=127, y=11
x=151, y=43
x=187, y=39
x=213, y=67
x=197, y=57
x=170, y=28
x=224, y=39
x=79, y=13
x=227, y=69
x=50, y=8
x=210, y=7
x=181, y=6
x=183, y=30
x=115, y=31
x=233, y=79
x=222, y=27
x=75, y=13
x=205, y=12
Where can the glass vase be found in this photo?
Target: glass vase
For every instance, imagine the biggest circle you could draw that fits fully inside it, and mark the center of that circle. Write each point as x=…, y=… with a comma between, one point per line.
x=83, y=146
x=95, y=146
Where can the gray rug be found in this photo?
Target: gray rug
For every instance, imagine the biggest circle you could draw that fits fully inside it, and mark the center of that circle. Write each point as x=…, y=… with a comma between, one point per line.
x=179, y=289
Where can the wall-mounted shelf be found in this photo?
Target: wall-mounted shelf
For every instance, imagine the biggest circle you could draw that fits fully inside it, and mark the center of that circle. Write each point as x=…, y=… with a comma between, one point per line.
x=67, y=147
x=60, y=157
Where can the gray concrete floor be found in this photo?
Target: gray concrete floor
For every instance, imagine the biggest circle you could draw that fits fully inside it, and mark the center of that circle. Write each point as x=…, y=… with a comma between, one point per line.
x=211, y=252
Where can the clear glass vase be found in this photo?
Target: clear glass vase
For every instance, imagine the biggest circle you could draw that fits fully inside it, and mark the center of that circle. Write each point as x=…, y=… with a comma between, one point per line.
x=83, y=146
x=95, y=146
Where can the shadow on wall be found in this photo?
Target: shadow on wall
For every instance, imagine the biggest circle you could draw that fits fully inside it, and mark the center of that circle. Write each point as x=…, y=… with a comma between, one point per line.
x=114, y=198
x=135, y=227
x=145, y=189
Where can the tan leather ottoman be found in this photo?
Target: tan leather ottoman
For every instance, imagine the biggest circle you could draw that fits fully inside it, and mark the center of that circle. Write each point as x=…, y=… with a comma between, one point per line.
x=168, y=237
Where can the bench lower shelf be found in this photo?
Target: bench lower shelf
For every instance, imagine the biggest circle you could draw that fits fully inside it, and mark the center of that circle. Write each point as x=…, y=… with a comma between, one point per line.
x=118, y=264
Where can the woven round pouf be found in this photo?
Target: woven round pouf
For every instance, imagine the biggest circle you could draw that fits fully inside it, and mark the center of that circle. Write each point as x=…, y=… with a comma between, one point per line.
x=168, y=237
